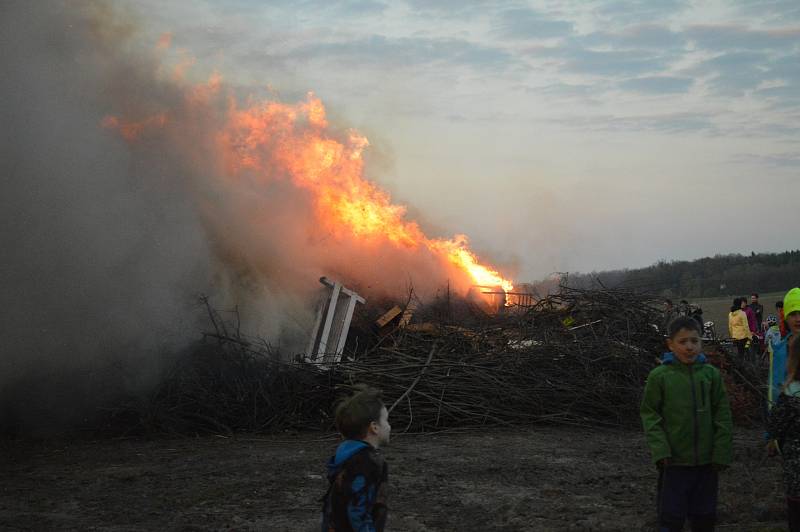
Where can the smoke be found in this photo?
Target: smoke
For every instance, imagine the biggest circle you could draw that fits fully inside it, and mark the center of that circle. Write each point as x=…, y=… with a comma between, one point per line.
x=102, y=256
x=118, y=210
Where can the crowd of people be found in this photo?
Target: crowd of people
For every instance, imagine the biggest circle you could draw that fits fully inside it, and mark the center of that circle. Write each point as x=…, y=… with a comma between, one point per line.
x=749, y=330
x=685, y=415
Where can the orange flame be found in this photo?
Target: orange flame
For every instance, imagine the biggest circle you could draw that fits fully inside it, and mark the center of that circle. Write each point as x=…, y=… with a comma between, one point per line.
x=333, y=170
x=272, y=140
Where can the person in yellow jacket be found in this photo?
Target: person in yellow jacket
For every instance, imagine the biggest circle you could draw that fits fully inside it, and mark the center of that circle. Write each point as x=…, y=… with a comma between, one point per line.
x=738, y=327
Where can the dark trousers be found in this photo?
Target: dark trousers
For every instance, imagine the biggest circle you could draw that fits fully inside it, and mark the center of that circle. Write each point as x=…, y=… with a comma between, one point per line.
x=687, y=492
x=793, y=513
x=740, y=348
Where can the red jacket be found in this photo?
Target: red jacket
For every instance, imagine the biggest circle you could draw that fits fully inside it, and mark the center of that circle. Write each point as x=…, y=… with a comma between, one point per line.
x=751, y=320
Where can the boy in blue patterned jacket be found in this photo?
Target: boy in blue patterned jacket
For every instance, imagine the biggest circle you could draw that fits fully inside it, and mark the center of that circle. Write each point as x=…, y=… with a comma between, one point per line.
x=357, y=473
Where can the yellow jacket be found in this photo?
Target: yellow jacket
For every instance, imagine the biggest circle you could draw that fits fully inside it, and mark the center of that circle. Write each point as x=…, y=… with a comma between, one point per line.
x=738, y=327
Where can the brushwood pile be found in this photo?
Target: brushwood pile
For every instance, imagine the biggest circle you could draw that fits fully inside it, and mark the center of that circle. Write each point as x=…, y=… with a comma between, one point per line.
x=577, y=357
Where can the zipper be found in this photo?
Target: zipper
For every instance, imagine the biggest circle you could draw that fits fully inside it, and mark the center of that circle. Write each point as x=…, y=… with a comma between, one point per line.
x=703, y=394
x=694, y=416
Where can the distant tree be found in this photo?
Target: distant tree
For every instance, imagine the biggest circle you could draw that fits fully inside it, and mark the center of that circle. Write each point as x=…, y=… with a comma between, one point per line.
x=705, y=277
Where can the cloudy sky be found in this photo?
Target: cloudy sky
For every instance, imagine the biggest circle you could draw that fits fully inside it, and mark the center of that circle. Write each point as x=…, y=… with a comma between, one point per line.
x=560, y=136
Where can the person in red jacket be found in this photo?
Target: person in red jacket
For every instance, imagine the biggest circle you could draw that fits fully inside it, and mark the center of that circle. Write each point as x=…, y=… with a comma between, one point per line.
x=752, y=323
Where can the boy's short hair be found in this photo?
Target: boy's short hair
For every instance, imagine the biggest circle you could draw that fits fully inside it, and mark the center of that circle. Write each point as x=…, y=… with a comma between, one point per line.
x=779, y=304
x=355, y=413
x=682, y=322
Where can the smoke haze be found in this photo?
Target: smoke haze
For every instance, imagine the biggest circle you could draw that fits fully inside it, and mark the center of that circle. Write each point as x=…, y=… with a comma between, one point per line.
x=118, y=211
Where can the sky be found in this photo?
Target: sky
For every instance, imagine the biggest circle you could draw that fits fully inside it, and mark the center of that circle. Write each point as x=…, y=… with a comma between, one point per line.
x=560, y=136
x=572, y=136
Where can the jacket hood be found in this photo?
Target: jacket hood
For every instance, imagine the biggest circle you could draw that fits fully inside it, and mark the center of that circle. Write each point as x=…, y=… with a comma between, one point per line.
x=791, y=302
x=344, y=452
x=669, y=357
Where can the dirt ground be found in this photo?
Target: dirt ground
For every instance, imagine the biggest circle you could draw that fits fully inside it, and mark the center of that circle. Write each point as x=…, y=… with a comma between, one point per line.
x=542, y=478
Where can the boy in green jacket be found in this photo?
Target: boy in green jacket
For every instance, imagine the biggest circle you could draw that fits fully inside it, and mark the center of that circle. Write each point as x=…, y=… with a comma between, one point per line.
x=687, y=423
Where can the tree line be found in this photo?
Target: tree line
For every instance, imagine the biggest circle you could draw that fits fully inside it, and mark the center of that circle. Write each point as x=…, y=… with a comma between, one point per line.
x=715, y=276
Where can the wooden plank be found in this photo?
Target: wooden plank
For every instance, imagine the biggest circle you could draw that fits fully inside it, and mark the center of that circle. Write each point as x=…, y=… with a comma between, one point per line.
x=407, y=314
x=351, y=305
x=390, y=314
x=326, y=331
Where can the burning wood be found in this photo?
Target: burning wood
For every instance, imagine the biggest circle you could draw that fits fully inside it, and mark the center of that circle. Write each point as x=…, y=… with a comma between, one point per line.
x=518, y=368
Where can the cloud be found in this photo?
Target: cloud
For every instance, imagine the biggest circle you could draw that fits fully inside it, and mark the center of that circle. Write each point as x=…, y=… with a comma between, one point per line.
x=649, y=36
x=781, y=97
x=657, y=84
x=524, y=23
x=360, y=7
x=567, y=90
x=453, y=9
x=775, y=160
x=614, y=63
x=735, y=37
x=628, y=11
x=733, y=73
x=786, y=68
x=779, y=11
x=382, y=51
x=661, y=123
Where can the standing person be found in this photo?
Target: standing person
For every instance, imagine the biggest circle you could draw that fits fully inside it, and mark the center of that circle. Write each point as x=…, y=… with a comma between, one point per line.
x=697, y=313
x=752, y=325
x=357, y=473
x=667, y=316
x=738, y=328
x=784, y=426
x=751, y=316
x=781, y=319
x=777, y=371
x=758, y=310
x=687, y=423
x=772, y=336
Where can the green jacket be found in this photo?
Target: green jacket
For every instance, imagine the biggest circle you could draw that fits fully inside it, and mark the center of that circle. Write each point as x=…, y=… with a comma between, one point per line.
x=685, y=413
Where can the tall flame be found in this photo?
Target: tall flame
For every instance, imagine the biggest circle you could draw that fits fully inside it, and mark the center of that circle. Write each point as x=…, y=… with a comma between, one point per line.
x=333, y=171
x=273, y=140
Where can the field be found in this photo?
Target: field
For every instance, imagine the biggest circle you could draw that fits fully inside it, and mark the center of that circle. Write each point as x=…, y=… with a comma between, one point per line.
x=716, y=309
x=537, y=479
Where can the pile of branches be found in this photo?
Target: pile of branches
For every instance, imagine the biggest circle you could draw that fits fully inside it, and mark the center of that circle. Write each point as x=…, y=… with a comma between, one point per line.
x=577, y=357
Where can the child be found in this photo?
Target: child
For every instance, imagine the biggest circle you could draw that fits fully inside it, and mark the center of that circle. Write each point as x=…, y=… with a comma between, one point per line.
x=772, y=335
x=357, y=473
x=687, y=423
x=777, y=369
x=784, y=427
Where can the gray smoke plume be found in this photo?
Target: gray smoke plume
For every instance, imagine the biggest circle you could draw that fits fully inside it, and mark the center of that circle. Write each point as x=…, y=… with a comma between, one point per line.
x=103, y=251
x=106, y=243
x=102, y=256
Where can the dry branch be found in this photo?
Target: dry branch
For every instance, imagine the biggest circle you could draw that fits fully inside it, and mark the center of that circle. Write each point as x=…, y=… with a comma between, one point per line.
x=576, y=357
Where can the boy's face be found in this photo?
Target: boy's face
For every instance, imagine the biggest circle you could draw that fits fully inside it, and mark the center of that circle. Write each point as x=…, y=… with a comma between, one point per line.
x=793, y=321
x=381, y=428
x=686, y=345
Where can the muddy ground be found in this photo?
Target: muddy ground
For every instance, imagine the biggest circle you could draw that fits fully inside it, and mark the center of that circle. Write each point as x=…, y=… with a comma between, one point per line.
x=545, y=478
